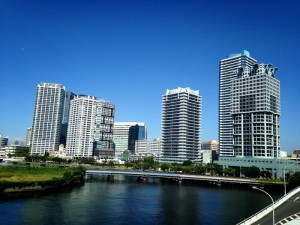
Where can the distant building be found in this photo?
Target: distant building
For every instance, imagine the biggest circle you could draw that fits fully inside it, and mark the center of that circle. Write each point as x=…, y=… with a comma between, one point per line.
x=46, y=125
x=28, y=136
x=3, y=142
x=121, y=136
x=148, y=148
x=206, y=156
x=181, y=120
x=136, y=133
x=68, y=96
x=210, y=145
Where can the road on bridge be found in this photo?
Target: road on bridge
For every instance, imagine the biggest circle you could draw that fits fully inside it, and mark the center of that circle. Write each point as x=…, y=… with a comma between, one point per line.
x=288, y=208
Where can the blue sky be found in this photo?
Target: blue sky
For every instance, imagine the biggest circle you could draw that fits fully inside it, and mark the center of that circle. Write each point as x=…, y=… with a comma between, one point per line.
x=130, y=52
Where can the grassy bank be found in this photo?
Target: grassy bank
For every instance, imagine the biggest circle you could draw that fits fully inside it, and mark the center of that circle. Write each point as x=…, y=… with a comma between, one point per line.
x=14, y=178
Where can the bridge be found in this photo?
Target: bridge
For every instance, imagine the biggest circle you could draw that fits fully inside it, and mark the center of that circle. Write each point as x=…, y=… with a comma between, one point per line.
x=287, y=211
x=141, y=175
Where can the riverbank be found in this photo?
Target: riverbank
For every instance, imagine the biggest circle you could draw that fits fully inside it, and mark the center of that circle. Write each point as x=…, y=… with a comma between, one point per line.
x=27, y=178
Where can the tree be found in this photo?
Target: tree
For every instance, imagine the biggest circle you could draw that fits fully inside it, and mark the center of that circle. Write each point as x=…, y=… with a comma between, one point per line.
x=165, y=166
x=187, y=163
x=252, y=171
x=111, y=164
x=265, y=174
x=199, y=169
x=294, y=180
x=229, y=171
x=127, y=164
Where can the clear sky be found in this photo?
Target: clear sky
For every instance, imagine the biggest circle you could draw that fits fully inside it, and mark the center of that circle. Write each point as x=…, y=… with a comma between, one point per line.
x=129, y=52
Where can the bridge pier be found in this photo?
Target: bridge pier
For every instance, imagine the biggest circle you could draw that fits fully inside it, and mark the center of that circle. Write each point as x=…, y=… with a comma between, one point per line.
x=141, y=178
x=110, y=178
x=179, y=181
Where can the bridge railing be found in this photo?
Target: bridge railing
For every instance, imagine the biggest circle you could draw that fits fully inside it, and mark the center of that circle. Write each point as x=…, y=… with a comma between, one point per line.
x=257, y=216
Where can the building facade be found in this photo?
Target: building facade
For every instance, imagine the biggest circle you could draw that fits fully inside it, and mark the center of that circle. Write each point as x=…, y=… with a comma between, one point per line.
x=3, y=142
x=181, y=120
x=227, y=73
x=68, y=96
x=212, y=145
x=251, y=118
x=90, y=128
x=255, y=112
x=148, y=148
x=80, y=136
x=28, y=136
x=121, y=136
x=47, y=117
x=103, y=134
x=136, y=133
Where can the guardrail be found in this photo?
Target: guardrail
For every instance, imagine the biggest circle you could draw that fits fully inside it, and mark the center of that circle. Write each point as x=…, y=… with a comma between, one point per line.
x=257, y=216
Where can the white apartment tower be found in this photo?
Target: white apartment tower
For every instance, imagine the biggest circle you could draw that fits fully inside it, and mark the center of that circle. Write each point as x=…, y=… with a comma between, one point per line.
x=80, y=136
x=90, y=128
x=47, y=118
x=255, y=112
x=228, y=72
x=181, y=120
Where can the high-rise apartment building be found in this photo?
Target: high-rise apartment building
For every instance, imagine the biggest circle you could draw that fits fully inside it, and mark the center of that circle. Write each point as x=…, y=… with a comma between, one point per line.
x=255, y=112
x=80, y=137
x=90, y=128
x=121, y=136
x=249, y=127
x=181, y=120
x=103, y=134
x=228, y=72
x=28, y=136
x=47, y=118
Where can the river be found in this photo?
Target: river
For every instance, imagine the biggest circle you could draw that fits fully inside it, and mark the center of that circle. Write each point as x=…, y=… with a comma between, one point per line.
x=127, y=201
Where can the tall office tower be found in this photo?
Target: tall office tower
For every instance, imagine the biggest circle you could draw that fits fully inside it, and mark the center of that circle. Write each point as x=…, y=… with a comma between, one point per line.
x=47, y=118
x=136, y=133
x=228, y=68
x=103, y=134
x=120, y=136
x=181, y=119
x=256, y=112
x=65, y=116
x=80, y=137
x=28, y=136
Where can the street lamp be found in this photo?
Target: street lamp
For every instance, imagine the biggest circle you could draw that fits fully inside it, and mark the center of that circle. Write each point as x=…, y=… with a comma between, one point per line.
x=256, y=188
x=284, y=177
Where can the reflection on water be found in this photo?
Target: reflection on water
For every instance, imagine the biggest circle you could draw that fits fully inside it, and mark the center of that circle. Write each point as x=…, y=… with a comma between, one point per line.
x=126, y=201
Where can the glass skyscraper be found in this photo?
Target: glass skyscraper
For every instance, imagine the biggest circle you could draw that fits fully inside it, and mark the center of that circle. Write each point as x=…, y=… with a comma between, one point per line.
x=136, y=133
x=181, y=120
